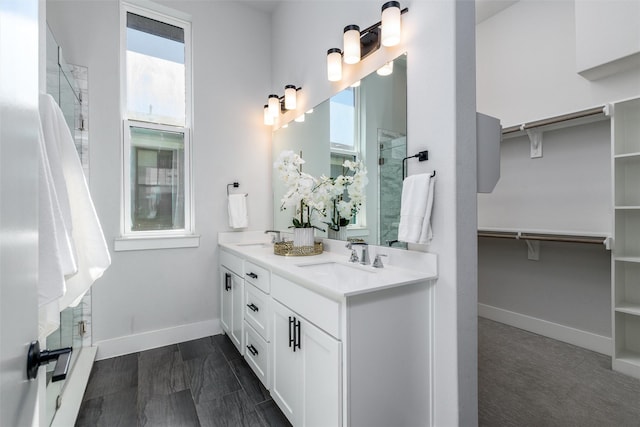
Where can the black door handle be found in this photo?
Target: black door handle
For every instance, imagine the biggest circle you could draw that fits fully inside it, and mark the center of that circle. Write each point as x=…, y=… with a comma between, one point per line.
x=253, y=307
x=291, y=331
x=252, y=275
x=37, y=358
x=252, y=349
x=227, y=281
x=296, y=342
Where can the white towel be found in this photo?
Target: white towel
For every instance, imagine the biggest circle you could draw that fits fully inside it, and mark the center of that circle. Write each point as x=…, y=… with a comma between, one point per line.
x=238, y=217
x=415, y=210
x=92, y=254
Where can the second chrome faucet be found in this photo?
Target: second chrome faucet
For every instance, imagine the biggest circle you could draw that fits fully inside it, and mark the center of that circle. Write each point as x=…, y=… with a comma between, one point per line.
x=364, y=258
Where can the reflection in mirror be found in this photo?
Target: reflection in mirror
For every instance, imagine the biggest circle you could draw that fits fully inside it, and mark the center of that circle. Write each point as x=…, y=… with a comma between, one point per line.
x=368, y=123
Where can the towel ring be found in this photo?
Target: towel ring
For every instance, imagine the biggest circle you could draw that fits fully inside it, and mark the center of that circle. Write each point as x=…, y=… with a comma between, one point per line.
x=235, y=185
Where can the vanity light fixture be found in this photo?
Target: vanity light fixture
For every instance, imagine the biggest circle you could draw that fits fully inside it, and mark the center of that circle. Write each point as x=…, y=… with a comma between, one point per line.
x=334, y=64
x=277, y=104
x=386, y=69
x=360, y=44
x=391, y=23
x=351, y=44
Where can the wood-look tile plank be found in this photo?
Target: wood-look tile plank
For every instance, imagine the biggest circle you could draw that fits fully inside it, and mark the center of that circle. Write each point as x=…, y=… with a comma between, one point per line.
x=112, y=375
x=196, y=348
x=271, y=415
x=250, y=383
x=173, y=410
x=210, y=377
x=114, y=410
x=231, y=410
x=161, y=371
x=223, y=342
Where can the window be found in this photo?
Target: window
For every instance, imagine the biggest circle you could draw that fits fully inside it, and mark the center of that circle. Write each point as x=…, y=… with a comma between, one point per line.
x=155, y=52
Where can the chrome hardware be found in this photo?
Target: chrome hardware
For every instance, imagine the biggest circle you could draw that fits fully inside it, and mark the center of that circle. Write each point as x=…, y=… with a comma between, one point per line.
x=354, y=256
x=364, y=259
x=377, y=262
x=276, y=236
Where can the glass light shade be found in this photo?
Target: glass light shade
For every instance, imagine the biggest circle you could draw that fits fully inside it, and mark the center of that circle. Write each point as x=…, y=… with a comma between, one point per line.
x=300, y=118
x=268, y=118
x=386, y=69
x=274, y=105
x=334, y=65
x=390, y=23
x=351, y=44
x=290, y=97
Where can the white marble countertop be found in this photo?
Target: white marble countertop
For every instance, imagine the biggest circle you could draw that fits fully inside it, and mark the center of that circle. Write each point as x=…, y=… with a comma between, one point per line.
x=330, y=273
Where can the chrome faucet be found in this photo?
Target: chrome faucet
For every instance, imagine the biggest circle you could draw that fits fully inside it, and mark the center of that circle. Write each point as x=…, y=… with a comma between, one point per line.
x=364, y=259
x=276, y=236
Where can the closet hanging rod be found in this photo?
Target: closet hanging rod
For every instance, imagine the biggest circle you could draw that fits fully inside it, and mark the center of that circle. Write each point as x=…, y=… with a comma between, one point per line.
x=553, y=120
x=544, y=237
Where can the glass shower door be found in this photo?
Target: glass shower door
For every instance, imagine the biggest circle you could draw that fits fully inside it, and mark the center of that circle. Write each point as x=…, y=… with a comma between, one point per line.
x=392, y=148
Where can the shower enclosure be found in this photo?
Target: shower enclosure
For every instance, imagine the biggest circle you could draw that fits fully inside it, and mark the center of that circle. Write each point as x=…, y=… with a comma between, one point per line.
x=68, y=86
x=392, y=148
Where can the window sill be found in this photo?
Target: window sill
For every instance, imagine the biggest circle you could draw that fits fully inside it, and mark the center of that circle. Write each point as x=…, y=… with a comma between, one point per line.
x=121, y=244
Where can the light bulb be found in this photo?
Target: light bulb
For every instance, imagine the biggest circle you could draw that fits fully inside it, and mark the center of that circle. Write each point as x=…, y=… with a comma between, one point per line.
x=334, y=65
x=290, y=97
x=274, y=105
x=351, y=44
x=391, y=23
x=268, y=118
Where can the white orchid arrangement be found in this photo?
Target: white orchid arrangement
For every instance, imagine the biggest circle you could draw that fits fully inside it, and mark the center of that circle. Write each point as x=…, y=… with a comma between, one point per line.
x=310, y=198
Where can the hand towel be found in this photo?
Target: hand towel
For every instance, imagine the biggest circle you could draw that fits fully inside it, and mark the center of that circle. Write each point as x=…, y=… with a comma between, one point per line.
x=92, y=254
x=238, y=217
x=415, y=209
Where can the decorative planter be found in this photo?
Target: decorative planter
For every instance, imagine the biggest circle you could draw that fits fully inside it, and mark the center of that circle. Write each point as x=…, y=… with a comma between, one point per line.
x=340, y=234
x=303, y=237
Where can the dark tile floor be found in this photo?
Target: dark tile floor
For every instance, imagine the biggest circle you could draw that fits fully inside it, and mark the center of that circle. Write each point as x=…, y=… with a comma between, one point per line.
x=204, y=382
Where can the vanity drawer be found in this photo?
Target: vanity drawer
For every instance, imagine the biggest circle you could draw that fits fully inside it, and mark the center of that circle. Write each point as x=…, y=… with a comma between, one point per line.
x=257, y=355
x=257, y=276
x=232, y=262
x=256, y=310
x=318, y=309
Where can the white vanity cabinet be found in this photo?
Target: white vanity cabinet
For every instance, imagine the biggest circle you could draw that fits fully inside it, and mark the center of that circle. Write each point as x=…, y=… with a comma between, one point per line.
x=232, y=298
x=307, y=377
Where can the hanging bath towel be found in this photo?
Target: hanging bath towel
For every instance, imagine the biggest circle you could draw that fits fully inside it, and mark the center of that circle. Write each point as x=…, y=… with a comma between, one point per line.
x=92, y=254
x=415, y=210
x=238, y=217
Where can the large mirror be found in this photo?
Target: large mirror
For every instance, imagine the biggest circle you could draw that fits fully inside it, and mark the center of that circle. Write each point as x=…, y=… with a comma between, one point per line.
x=368, y=122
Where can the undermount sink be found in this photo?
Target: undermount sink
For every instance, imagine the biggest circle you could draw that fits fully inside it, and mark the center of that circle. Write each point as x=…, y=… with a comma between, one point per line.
x=335, y=269
x=255, y=245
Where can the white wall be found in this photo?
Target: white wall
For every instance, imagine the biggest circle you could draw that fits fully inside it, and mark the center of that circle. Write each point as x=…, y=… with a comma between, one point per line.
x=526, y=67
x=439, y=39
x=526, y=70
x=172, y=295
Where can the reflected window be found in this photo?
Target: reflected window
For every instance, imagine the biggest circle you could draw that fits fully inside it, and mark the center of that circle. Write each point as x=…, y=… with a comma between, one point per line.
x=342, y=112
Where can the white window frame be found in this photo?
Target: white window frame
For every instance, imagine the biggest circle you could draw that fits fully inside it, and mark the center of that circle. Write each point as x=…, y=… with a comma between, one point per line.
x=155, y=239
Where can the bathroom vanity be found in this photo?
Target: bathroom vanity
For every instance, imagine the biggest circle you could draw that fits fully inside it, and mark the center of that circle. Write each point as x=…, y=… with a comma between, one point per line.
x=336, y=343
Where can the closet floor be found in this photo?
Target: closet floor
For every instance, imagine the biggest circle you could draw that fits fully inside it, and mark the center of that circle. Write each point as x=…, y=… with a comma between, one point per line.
x=204, y=382
x=526, y=379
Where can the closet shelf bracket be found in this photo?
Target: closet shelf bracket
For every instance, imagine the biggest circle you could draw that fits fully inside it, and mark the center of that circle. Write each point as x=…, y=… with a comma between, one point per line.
x=535, y=138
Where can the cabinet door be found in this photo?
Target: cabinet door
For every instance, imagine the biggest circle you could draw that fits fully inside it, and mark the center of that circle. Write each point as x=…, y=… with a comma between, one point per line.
x=237, y=311
x=286, y=374
x=321, y=376
x=226, y=299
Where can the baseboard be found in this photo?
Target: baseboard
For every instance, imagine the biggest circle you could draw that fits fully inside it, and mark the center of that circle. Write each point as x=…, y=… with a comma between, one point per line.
x=153, y=339
x=588, y=340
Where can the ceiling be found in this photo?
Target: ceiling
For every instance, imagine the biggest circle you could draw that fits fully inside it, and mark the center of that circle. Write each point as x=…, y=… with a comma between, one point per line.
x=484, y=8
